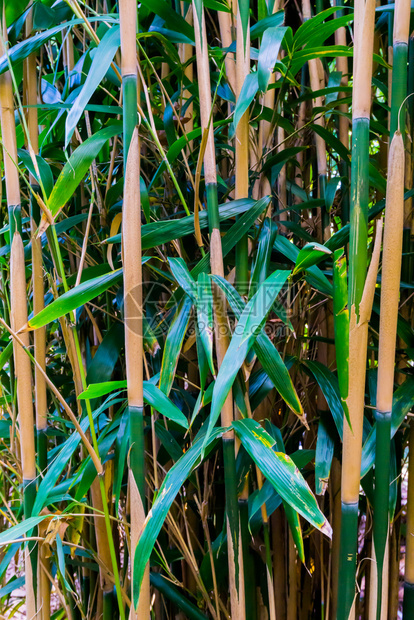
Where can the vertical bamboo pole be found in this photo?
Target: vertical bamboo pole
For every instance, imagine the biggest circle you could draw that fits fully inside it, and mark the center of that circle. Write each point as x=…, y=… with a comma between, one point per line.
x=18, y=304
x=131, y=254
x=30, y=99
x=359, y=304
x=390, y=293
x=235, y=558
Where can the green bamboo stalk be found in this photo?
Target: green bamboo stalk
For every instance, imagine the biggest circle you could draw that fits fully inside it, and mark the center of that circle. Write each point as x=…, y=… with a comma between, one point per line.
x=390, y=290
x=361, y=290
x=399, y=68
x=131, y=251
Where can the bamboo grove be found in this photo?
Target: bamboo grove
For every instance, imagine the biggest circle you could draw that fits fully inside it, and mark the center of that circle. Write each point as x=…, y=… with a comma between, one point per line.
x=206, y=310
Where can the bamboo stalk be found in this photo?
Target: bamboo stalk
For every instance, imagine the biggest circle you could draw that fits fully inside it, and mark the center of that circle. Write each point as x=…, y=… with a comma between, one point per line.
x=390, y=292
x=30, y=99
x=18, y=305
x=235, y=558
x=131, y=252
x=409, y=539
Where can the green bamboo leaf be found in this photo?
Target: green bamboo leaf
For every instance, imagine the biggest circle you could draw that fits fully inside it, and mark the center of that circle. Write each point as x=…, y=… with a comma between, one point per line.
x=325, y=444
x=173, y=594
x=22, y=50
x=157, y=399
x=171, y=17
x=330, y=389
x=249, y=326
x=281, y=472
x=163, y=231
x=59, y=463
x=271, y=21
x=205, y=319
x=15, y=532
x=76, y=297
x=266, y=352
x=173, y=344
x=314, y=275
x=291, y=514
x=268, y=53
x=77, y=167
x=247, y=94
x=309, y=255
x=171, y=485
x=307, y=29
x=184, y=278
x=264, y=251
x=46, y=176
x=103, y=56
x=152, y=396
x=6, y=354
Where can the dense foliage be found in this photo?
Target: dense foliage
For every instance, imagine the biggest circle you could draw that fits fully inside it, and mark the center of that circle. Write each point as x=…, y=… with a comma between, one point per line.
x=199, y=318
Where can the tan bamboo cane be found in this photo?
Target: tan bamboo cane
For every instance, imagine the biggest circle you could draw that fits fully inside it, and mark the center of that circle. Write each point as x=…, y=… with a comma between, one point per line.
x=360, y=294
x=18, y=304
x=220, y=315
x=131, y=250
x=30, y=100
x=390, y=293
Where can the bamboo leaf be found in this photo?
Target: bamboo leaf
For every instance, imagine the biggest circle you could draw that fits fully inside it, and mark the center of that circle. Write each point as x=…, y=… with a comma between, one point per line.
x=102, y=59
x=281, y=472
x=268, y=53
x=250, y=324
x=309, y=255
x=76, y=297
x=77, y=166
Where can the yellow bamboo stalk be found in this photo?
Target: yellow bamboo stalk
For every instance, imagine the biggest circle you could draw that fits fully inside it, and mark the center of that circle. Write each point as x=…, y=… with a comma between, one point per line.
x=30, y=99
x=23, y=373
x=131, y=248
x=391, y=273
x=358, y=338
x=342, y=66
x=226, y=33
x=18, y=304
